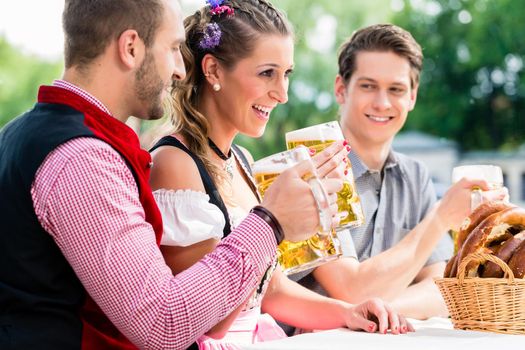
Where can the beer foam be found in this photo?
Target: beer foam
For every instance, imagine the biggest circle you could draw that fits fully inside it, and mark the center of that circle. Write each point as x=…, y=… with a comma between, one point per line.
x=279, y=162
x=321, y=132
x=268, y=167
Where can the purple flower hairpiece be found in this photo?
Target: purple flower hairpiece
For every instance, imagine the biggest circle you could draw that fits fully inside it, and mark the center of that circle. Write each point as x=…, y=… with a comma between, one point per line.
x=212, y=34
x=211, y=37
x=218, y=8
x=214, y=3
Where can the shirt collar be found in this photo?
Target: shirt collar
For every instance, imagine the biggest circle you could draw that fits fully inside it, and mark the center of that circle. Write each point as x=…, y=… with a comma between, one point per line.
x=391, y=160
x=82, y=93
x=359, y=168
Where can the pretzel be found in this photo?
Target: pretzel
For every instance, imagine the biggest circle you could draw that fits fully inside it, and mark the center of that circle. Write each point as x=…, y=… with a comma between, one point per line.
x=474, y=219
x=517, y=261
x=452, y=267
x=492, y=230
x=477, y=216
x=504, y=251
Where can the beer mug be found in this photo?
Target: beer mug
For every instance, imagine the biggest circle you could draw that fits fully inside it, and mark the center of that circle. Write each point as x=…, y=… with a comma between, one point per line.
x=322, y=246
x=319, y=137
x=490, y=173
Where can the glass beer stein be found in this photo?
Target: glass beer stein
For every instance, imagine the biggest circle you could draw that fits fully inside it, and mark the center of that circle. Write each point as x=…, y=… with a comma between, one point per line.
x=319, y=137
x=322, y=246
x=490, y=173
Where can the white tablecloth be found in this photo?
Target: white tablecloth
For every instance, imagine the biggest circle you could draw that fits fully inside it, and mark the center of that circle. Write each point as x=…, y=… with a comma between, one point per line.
x=435, y=333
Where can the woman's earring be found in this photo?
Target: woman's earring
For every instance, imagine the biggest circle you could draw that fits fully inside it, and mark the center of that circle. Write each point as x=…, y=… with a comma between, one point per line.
x=216, y=87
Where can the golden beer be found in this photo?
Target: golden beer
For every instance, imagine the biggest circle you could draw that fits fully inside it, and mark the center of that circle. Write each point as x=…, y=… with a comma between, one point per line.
x=296, y=256
x=318, y=145
x=264, y=181
x=299, y=256
x=319, y=137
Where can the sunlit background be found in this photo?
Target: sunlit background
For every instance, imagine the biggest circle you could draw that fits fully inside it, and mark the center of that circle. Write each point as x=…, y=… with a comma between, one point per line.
x=470, y=107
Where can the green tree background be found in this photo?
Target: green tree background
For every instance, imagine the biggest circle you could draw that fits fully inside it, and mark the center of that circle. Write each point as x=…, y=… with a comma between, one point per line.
x=20, y=76
x=472, y=88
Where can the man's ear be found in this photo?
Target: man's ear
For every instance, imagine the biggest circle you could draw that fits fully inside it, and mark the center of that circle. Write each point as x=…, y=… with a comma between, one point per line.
x=211, y=69
x=340, y=90
x=413, y=97
x=131, y=49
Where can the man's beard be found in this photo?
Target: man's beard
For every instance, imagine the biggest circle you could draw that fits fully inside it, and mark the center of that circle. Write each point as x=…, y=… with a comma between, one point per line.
x=149, y=87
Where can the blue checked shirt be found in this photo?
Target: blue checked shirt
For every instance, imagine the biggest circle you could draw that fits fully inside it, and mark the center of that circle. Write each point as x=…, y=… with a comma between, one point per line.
x=393, y=203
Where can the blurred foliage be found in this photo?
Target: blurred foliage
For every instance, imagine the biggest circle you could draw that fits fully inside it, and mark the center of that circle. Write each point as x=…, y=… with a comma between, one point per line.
x=20, y=77
x=472, y=85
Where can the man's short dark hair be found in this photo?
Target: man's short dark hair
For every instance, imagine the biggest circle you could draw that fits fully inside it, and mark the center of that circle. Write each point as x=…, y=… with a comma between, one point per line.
x=380, y=38
x=90, y=25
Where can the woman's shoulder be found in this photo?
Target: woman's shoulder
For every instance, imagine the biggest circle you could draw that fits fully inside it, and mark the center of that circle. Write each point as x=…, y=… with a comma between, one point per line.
x=174, y=169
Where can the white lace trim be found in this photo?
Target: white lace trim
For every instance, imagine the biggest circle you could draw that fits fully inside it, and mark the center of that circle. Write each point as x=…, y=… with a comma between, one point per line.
x=246, y=172
x=188, y=217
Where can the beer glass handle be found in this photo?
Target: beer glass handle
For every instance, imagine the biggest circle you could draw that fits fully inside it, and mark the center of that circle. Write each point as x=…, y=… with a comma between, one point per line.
x=323, y=204
x=476, y=198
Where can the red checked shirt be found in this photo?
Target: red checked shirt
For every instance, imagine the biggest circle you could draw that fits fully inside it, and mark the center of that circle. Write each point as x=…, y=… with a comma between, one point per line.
x=85, y=196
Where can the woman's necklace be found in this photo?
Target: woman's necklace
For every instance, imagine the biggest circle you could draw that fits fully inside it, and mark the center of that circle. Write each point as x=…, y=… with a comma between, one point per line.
x=228, y=159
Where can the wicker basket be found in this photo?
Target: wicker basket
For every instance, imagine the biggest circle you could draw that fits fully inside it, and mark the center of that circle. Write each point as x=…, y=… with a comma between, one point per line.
x=485, y=304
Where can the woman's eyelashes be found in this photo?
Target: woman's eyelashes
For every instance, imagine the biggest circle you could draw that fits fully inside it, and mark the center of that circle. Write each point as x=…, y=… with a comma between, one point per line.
x=270, y=73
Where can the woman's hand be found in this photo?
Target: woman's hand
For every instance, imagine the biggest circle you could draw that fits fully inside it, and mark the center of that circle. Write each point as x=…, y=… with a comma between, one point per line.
x=290, y=197
x=332, y=167
x=373, y=316
x=332, y=162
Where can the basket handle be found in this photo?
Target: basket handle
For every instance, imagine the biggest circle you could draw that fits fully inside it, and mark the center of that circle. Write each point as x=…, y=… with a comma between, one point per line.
x=480, y=258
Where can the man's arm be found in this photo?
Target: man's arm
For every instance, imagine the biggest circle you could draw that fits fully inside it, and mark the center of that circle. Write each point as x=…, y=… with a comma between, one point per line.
x=422, y=299
x=385, y=275
x=388, y=274
x=86, y=198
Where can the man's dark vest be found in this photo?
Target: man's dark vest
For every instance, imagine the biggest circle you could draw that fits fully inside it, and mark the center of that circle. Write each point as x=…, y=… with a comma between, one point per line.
x=42, y=303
